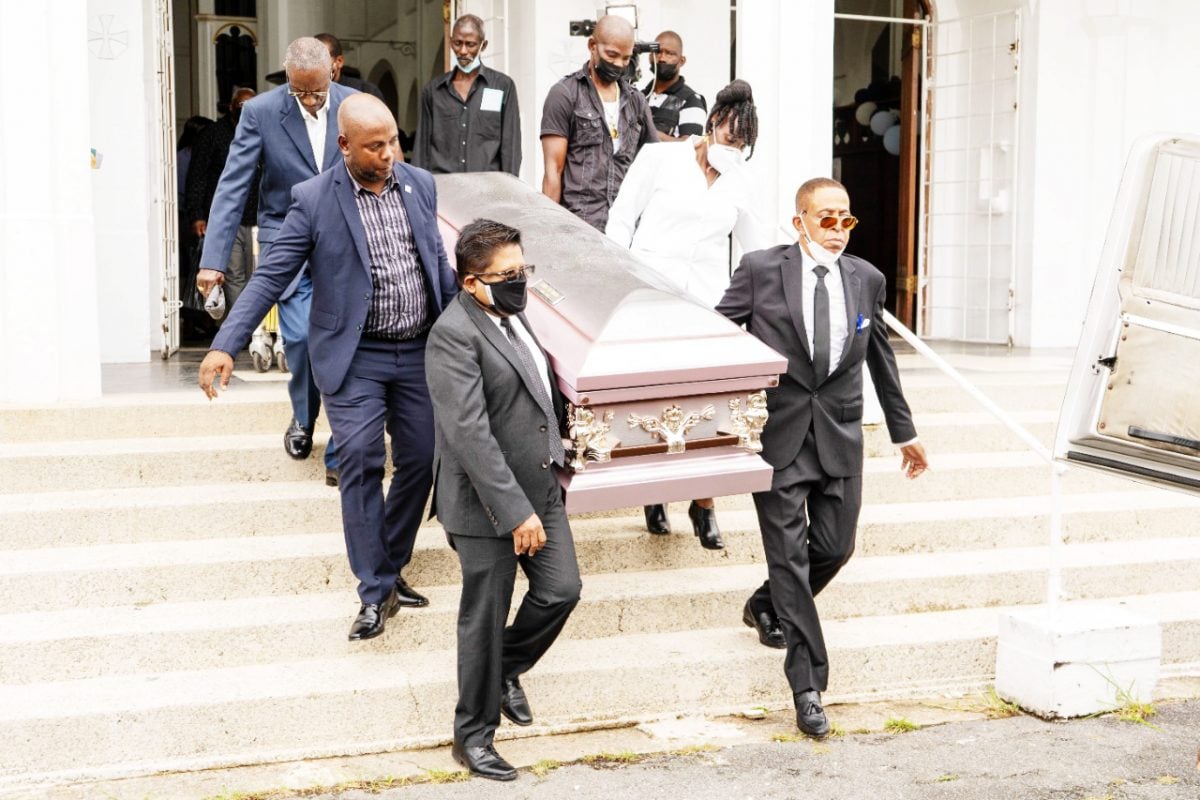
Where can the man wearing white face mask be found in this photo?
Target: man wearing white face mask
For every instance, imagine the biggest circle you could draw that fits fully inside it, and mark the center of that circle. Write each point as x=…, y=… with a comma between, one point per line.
x=469, y=120
x=823, y=310
x=675, y=210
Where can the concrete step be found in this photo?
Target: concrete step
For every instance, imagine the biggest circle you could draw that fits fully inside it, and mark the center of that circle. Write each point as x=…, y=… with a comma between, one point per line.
x=263, y=407
x=110, y=464
x=140, y=723
x=233, y=616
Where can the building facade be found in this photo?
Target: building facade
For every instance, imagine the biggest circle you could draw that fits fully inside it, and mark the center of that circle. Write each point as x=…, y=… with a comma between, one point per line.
x=1019, y=114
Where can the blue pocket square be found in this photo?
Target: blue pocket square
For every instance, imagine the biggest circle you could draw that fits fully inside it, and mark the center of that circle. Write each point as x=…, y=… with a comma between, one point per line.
x=862, y=324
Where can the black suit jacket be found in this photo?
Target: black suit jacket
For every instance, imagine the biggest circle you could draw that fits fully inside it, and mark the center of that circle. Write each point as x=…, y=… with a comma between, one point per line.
x=493, y=465
x=766, y=295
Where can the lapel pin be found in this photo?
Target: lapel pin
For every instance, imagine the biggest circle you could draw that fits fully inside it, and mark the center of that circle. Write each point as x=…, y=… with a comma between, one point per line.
x=408, y=188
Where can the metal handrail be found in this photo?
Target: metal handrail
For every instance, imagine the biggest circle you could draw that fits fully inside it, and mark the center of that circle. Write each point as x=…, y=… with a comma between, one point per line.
x=1054, y=572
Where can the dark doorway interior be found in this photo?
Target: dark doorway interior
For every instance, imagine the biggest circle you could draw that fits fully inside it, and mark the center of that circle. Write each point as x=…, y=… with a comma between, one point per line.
x=876, y=133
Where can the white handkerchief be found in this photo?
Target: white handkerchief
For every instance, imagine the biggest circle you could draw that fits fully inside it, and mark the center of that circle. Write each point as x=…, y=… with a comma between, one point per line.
x=492, y=100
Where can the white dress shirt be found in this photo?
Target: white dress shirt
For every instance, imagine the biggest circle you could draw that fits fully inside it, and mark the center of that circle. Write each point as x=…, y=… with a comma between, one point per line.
x=539, y=358
x=837, y=307
x=671, y=219
x=316, y=127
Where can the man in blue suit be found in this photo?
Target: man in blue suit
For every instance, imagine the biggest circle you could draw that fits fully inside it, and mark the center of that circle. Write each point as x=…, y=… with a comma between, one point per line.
x=292, y=132
x=368, y=232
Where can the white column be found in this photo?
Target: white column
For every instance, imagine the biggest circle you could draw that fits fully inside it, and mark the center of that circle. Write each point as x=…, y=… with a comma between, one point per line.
x=49, y=342
x=785, y=51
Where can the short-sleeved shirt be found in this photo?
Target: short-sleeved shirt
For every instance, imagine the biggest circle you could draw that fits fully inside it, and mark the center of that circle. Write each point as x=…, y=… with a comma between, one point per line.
x=479, y=134
x=679, y=111
x=593, y=171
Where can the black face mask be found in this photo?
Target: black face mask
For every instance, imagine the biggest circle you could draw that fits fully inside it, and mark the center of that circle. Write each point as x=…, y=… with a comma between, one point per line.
x=508, y=297
x=667, y=72
x=608, y=71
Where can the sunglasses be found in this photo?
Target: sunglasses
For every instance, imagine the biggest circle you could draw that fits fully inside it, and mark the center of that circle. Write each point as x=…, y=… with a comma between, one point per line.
x=847, y=223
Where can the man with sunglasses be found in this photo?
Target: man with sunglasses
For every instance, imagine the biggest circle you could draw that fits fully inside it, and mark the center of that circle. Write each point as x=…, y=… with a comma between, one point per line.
x=366, y=230
x=823, y=310
x=497, y=420
x=285, y=136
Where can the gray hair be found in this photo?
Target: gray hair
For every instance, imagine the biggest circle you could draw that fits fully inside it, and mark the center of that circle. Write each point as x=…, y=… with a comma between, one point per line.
x=306, y=54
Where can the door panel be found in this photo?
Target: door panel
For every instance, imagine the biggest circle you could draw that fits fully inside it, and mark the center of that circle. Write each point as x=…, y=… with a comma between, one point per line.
x=1133, y=401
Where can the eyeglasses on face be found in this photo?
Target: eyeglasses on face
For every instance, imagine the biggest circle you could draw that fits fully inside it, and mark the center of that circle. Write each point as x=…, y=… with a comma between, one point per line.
x=846, y=223
x=508, y=276
x=301, y=95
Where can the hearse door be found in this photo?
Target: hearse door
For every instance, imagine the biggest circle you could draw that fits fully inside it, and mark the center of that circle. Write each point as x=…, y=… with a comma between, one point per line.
x=1133, y=400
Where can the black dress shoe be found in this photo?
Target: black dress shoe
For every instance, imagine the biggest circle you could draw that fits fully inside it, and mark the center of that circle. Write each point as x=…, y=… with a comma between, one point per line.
x=407, y=596
x=770, y=632
x=372, y=618
x=810, y=715
x=484, y=762
x=297, y=441
x=704, y=523
x=514, y=704
x=657, y=520
x=332, y=474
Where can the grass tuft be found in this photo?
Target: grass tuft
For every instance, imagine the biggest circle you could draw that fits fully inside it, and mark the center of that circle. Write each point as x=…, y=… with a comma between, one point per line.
x=544, y=767
x=446, y=776
x=900, y=725
x=947, y=778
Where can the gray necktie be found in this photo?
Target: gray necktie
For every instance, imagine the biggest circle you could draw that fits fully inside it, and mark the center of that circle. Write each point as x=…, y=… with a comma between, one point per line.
x=539, y=390
x=820, y=356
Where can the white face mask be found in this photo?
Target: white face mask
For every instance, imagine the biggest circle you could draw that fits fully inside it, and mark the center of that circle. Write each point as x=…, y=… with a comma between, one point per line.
x=724, y=158
x=469, y=68
x=826, y=258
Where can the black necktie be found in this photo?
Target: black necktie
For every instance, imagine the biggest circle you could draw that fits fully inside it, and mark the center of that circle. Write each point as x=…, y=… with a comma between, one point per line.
x=820, y=356
x=539, y=389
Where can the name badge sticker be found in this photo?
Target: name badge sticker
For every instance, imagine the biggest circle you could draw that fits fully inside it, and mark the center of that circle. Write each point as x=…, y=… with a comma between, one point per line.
x=492, y=100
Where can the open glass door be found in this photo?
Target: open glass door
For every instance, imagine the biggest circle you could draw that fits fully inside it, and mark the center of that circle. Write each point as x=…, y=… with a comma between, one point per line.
x=1133, y=402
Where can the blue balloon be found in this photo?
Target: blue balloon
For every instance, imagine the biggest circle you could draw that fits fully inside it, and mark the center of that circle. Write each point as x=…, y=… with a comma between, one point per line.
x=891, y=140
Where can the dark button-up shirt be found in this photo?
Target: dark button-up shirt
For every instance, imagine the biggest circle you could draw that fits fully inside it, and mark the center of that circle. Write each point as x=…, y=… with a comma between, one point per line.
x=593, y=172
x=399, y=300
x=479, y=134
x=679, y=111
x=204, y=172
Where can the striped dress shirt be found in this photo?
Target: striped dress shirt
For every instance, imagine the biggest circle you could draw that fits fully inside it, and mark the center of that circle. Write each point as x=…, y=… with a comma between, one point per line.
x=400, y=302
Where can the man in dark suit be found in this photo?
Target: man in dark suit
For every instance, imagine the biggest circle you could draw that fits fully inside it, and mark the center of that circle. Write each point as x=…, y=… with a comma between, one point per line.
x=823, y=310
x=497, y=418
x=290, y=133
x=367, y=229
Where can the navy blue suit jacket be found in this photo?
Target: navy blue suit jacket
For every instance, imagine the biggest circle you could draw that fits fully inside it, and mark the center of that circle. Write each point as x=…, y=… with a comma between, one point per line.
x=271, y=132
x=323, y=228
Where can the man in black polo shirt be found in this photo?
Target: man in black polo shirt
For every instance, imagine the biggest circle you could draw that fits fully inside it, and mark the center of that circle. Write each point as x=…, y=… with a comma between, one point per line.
x=679, y=111
x=593, y=124
x=469, y=121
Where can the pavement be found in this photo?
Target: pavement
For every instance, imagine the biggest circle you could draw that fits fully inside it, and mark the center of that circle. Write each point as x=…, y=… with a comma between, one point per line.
x=965, y=747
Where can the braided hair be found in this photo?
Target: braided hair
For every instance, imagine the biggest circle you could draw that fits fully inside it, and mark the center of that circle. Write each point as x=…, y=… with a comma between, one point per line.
x=736, y=103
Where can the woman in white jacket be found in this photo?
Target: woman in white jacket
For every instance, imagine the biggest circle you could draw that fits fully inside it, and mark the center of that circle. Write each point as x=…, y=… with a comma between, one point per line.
x=675, y=210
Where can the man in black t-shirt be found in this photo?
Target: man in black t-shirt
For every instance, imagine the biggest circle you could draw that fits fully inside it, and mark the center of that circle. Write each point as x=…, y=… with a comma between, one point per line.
x=679, y=110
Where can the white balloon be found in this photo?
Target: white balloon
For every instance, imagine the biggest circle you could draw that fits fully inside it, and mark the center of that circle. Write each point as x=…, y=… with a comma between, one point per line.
x=891, y=140
x=863, y=112
x=881, y=121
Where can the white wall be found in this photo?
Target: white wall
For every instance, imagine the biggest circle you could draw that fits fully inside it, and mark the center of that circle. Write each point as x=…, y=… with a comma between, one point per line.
x=785, y=51
x=48, y=328
x=123, y=100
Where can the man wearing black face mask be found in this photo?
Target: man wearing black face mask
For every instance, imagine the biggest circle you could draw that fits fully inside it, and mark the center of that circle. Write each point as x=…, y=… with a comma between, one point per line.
x=593, y=124
x=497, y=426
x=679, y=111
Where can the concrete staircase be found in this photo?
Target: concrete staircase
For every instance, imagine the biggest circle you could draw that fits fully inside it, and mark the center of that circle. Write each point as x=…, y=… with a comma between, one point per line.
x=174, y=592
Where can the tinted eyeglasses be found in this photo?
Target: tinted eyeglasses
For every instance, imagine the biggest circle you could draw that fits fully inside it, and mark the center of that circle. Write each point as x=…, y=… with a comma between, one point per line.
x=508, y=276
x=846, y=223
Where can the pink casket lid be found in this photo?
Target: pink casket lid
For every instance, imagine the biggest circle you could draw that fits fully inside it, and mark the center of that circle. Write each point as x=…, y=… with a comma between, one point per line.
x=608, y=321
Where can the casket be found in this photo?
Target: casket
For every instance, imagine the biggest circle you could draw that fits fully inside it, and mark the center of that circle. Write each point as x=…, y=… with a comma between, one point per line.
x=666, y=396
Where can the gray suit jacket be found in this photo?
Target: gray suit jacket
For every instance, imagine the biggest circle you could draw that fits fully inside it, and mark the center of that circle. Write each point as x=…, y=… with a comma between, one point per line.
x=492, y=460
x=766, y=296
